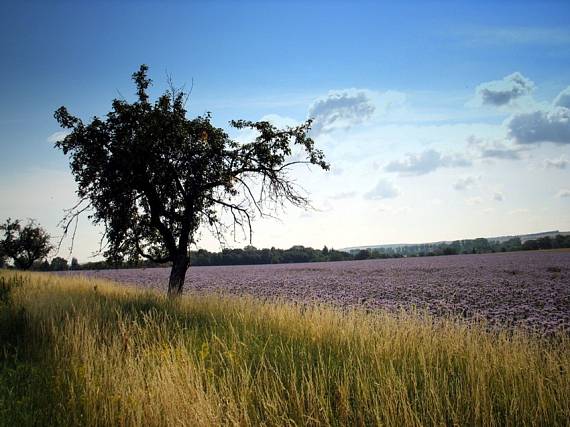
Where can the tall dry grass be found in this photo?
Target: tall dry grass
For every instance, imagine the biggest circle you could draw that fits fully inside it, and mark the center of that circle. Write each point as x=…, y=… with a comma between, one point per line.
x=78, y=351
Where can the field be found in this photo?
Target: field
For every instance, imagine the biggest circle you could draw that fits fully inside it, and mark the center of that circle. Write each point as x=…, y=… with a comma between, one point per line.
x=83, y=351
x=528, y=289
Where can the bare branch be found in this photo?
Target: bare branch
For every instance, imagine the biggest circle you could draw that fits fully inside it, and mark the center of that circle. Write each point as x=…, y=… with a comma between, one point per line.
x=71, y=215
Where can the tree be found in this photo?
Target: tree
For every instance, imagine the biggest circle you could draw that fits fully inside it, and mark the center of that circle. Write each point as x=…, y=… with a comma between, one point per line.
x=24, y=244
x=152, y=176
x=362, y=254
x=2, y=256
x=74, y=264
x=58, y=264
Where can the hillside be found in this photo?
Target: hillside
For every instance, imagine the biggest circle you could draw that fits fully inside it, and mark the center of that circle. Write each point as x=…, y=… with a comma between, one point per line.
x=496, y=239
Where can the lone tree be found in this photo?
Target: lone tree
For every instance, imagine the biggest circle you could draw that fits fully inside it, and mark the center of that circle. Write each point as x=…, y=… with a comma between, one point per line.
x=152, y=176
x=24, y=244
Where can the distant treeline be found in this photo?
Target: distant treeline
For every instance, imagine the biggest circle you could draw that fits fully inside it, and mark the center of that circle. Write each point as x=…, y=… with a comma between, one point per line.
x=470, y=246
x=251, y=255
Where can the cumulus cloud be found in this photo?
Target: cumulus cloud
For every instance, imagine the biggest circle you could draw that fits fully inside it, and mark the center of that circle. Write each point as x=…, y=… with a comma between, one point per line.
x=384, y=189
x=426, y=162
x=502, y=92
x=541, y=126
x=57, y=136
x=563, y=193
x=545, y=125
x=559, y=163
x=465, y=183
x=341, y=109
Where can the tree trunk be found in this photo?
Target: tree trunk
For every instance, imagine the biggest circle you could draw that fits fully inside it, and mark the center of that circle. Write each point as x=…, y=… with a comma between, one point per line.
x=178, y=274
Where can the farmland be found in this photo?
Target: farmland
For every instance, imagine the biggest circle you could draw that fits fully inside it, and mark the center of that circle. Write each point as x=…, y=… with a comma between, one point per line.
x=84, y=351
x=528, y=289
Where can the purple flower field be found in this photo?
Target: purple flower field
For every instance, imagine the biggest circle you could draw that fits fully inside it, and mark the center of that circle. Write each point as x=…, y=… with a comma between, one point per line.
x=530, y=289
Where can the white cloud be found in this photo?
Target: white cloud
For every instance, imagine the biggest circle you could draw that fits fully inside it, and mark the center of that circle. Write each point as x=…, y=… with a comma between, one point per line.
x=498, y=196
x=559, y=163
x=550, y=124
x=465, y=183
x=499, y=93
x=563, y=193
x=425, y=162
x=57, y=136
x=346, y=108
x=493, y=149
x=384, y=189
x=341, y=109
x=541, y=126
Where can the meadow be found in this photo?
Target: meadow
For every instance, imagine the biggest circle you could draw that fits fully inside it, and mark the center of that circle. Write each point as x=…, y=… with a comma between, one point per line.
x=80, y=350
x=523, y=289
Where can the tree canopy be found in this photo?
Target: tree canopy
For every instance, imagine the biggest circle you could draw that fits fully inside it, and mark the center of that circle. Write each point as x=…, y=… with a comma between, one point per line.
x=152, y=176
x=24, y=244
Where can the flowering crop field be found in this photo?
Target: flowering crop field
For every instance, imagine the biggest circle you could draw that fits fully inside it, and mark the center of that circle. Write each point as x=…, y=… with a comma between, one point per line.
x=528, y=289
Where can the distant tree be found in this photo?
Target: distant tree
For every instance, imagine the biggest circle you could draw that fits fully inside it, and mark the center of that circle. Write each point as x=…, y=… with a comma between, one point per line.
x=24, y=244
x=58, y=264
x=325, y=250
x=2, y=256
x=152, y=176
x=513, y=244
x=362, y=254
x=74, y=264
x=450, y=250
x=544, y=243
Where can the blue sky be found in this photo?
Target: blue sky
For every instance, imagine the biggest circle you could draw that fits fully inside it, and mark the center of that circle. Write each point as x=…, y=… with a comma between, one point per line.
x=423, y=141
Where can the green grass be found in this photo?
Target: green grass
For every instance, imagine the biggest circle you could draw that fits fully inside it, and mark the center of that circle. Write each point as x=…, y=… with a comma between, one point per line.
x=76, y=351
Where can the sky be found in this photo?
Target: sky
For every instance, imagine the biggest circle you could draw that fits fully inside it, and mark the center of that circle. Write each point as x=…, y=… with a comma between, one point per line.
x=441, y=120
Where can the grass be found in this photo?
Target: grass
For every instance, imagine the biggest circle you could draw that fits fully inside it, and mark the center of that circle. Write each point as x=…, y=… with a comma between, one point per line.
x=77, y=351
